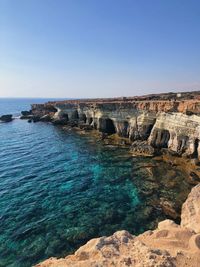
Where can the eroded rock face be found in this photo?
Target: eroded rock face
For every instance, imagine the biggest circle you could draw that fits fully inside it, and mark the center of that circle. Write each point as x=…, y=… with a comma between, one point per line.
x=190, y=216
x=142, y=148
x=166, y=121
x=178, y=132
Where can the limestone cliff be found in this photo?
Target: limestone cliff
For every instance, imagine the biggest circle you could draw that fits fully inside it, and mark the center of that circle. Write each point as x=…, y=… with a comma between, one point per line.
x=170, y=245
x=165, y=121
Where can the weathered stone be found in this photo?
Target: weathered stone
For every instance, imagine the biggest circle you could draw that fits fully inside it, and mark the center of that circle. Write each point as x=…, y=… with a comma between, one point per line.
x=6, y=118
x=159, y=138
x=194, y=242
x=166, y=224
x=163, y=122
x=190, y=216
x=142, y=148
x=26, y=112
x=120, y=250
x=45, y=118
x=168, y=208
x=193, y=178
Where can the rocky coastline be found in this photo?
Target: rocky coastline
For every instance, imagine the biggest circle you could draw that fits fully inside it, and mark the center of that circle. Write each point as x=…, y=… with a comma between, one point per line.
x=165, y=127
x=149, y=123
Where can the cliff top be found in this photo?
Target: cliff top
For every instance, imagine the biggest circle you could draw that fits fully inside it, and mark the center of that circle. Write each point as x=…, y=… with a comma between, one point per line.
x=180, y=96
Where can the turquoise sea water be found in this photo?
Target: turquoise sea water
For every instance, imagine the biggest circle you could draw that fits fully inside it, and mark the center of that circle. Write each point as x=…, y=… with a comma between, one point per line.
x=59, y=189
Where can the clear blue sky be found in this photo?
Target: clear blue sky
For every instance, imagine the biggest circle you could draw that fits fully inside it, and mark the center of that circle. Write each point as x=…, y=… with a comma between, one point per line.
x=98, y=48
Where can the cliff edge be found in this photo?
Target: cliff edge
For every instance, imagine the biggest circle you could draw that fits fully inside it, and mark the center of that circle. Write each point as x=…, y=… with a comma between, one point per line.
x=169, y=121
x=170, y=245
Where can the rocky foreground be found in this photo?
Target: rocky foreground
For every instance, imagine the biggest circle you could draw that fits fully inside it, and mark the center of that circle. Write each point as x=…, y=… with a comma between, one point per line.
x=169, y=245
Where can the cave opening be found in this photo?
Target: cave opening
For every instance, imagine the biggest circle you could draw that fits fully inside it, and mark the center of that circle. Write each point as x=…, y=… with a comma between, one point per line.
x=110, y=126
x=182, y=144
x=75, y=115
x=160, y=138
x=65, y=117
x=107, y=126
x=83, y=117
x=125, y=129
x=148, y=131
x=164, y=138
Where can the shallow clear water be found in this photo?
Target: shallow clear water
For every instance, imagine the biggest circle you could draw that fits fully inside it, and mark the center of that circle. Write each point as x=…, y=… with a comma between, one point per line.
x=59, y=189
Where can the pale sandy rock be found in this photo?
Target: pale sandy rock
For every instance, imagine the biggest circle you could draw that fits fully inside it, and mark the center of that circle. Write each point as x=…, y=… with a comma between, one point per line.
x=190, y=216
x=168, y=246
x=120, y=249
x=176, y=131
x=167, y=224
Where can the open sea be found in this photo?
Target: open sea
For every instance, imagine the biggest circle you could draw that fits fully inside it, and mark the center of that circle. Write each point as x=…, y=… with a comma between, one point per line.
x=58, y=189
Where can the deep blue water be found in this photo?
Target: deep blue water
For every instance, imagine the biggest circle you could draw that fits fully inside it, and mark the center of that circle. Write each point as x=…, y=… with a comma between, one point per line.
x=16, y=105
x=58, y=189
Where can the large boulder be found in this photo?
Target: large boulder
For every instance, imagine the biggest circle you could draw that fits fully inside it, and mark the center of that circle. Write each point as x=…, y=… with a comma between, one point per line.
x=6, y=118
x=190, y=216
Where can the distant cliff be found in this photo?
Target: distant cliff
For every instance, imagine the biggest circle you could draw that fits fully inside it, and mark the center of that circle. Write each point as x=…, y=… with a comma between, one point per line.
x=165, y=120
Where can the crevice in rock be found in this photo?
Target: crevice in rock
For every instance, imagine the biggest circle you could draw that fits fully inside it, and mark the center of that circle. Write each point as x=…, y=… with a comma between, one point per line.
x=182, y=144
x=160, y=138
x=90, y=120
x=196, y=144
